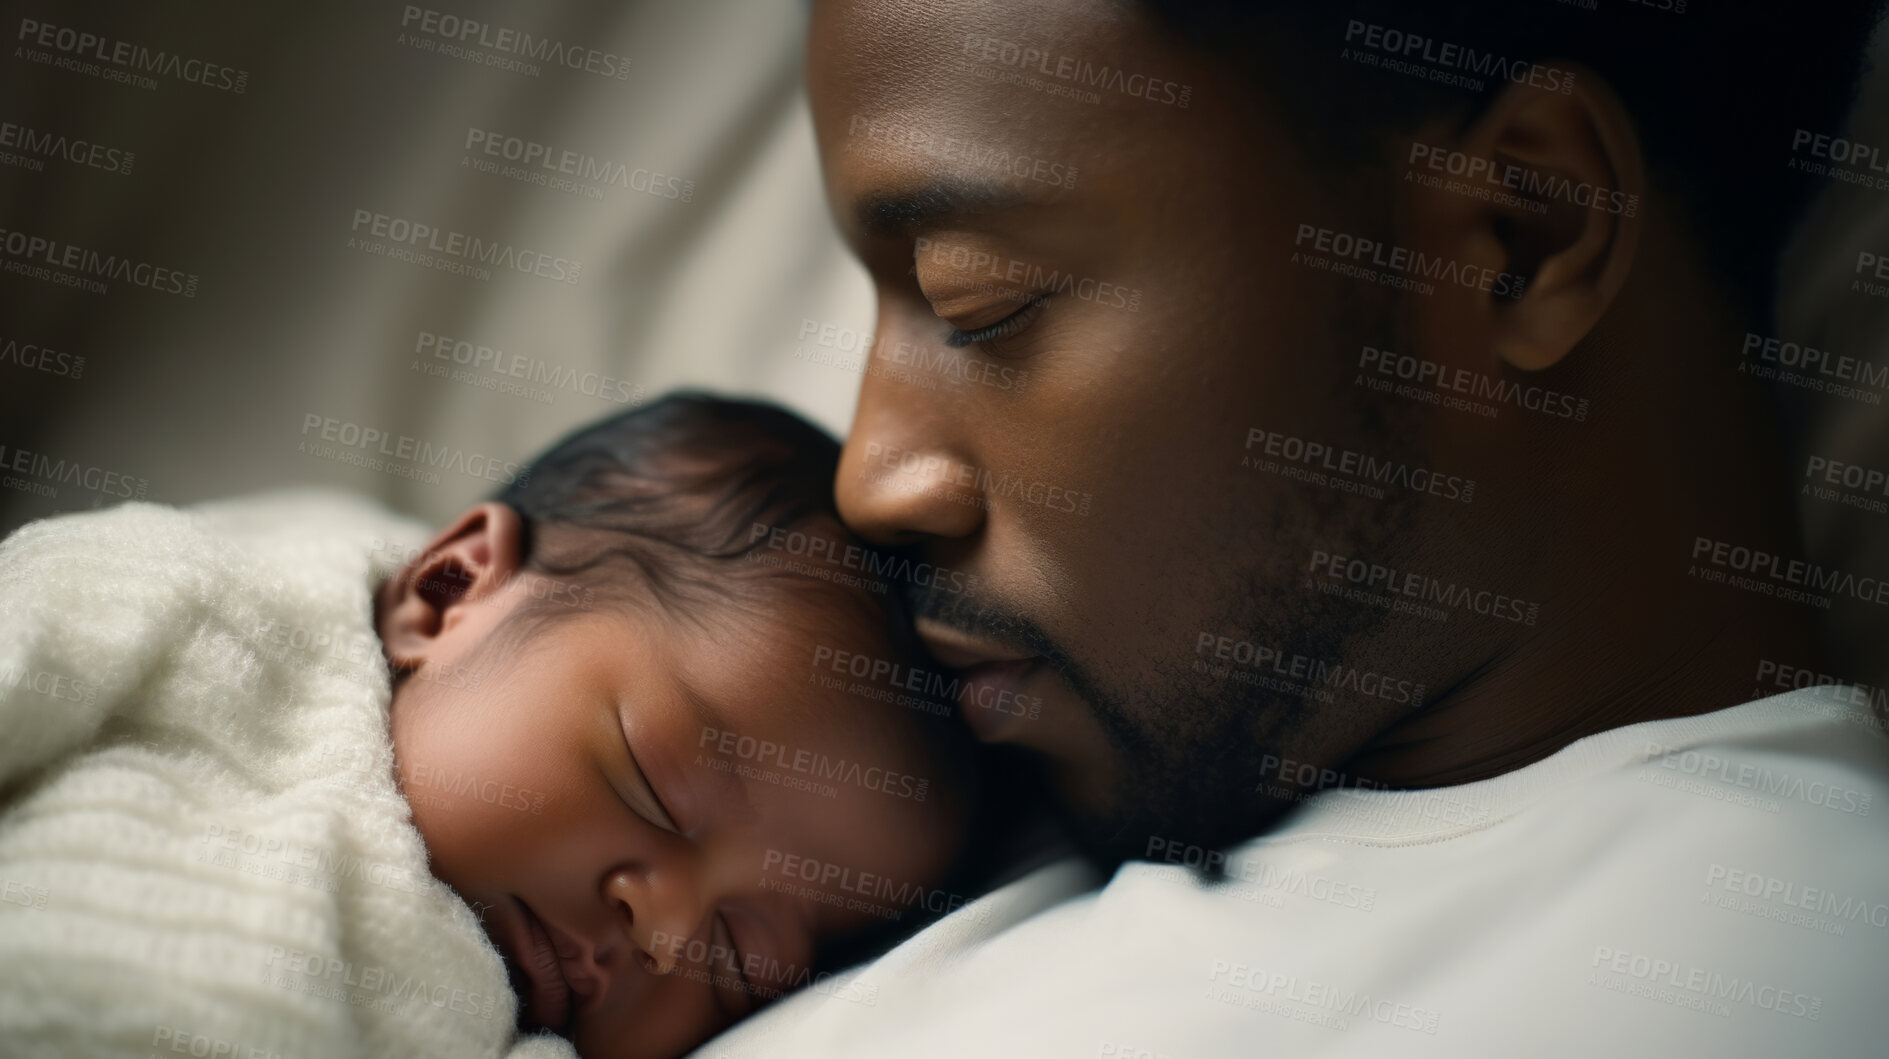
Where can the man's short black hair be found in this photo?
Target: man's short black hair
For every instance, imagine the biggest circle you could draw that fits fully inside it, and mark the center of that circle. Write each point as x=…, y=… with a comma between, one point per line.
x=1717, y=88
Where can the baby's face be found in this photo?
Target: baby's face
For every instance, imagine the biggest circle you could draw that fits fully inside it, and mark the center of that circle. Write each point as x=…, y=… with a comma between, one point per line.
x=635, y=808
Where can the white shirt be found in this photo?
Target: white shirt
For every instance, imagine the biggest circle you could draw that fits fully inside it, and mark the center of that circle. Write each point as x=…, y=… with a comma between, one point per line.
x=1708, y=886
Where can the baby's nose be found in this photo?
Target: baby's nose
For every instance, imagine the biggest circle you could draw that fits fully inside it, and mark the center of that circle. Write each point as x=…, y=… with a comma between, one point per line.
x=660, y=913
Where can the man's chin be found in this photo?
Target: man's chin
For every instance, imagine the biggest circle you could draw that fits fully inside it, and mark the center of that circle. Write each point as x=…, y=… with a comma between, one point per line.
x=1145, y=819
x=1108, y=825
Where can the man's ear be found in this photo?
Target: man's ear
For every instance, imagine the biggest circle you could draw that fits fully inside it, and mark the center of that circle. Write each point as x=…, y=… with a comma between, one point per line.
x=468, y=561
x=1542, y=185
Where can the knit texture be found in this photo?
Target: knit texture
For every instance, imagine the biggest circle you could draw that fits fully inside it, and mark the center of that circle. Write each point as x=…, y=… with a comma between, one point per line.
x=201, y=837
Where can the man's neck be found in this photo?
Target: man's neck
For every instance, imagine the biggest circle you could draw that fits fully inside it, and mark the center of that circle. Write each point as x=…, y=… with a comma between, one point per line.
x=1631, y=630
x=1528, y=706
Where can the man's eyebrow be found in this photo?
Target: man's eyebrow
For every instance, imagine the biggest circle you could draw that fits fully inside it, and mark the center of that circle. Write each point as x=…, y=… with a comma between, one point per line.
x=901, y=213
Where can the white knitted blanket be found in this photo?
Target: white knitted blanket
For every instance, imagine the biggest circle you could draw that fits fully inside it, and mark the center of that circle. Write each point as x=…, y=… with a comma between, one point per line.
x=202, y=847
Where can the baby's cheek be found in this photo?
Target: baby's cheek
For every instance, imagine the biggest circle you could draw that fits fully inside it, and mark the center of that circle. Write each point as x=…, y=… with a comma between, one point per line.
x=466, y=819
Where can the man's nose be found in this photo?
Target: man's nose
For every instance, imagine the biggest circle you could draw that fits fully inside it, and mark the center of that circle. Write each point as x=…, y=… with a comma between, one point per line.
x=664, y=910
x=900, y=482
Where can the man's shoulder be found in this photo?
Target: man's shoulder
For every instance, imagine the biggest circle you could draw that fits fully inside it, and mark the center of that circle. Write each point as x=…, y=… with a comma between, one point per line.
x=1772, y=807
x=1810, y=764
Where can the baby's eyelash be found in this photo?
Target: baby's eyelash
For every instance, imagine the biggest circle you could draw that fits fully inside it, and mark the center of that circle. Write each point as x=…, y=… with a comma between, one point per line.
x=1003, y=328
x=657, y=812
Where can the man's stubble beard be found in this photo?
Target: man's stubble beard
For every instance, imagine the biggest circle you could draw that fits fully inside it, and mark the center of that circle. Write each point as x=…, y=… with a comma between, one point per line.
x=1194, y=750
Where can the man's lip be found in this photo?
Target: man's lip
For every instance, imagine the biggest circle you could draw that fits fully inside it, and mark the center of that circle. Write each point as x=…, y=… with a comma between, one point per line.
x=962, y=650
x=549, y=1000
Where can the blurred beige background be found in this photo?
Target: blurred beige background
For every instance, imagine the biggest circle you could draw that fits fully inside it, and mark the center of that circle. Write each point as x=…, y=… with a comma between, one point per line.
x=369, y=106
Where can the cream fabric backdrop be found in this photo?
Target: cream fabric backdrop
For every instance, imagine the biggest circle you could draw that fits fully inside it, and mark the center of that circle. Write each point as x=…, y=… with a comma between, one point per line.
x=256, y=193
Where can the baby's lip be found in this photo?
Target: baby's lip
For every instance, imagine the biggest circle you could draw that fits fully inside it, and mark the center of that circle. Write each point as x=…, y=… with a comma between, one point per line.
x=575, y=962
x=548, y=997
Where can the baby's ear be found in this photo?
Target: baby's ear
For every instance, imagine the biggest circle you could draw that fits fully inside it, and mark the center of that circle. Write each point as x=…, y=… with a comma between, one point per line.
x=468, y=561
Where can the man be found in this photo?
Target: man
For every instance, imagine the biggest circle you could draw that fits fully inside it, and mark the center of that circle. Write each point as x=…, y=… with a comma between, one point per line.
x=1359, y=399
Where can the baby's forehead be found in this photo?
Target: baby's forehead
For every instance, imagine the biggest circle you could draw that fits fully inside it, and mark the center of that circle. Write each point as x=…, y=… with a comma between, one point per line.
x=818, y=672
x=797, y=618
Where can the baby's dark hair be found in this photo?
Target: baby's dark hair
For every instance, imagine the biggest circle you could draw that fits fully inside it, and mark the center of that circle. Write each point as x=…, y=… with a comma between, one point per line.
x=679, y=498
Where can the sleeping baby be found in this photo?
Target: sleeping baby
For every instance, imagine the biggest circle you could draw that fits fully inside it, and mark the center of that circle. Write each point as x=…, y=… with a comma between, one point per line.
x=316, y=786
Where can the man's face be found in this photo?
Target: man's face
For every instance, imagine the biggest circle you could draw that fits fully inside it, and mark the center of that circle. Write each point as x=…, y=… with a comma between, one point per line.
x=1087, y=305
